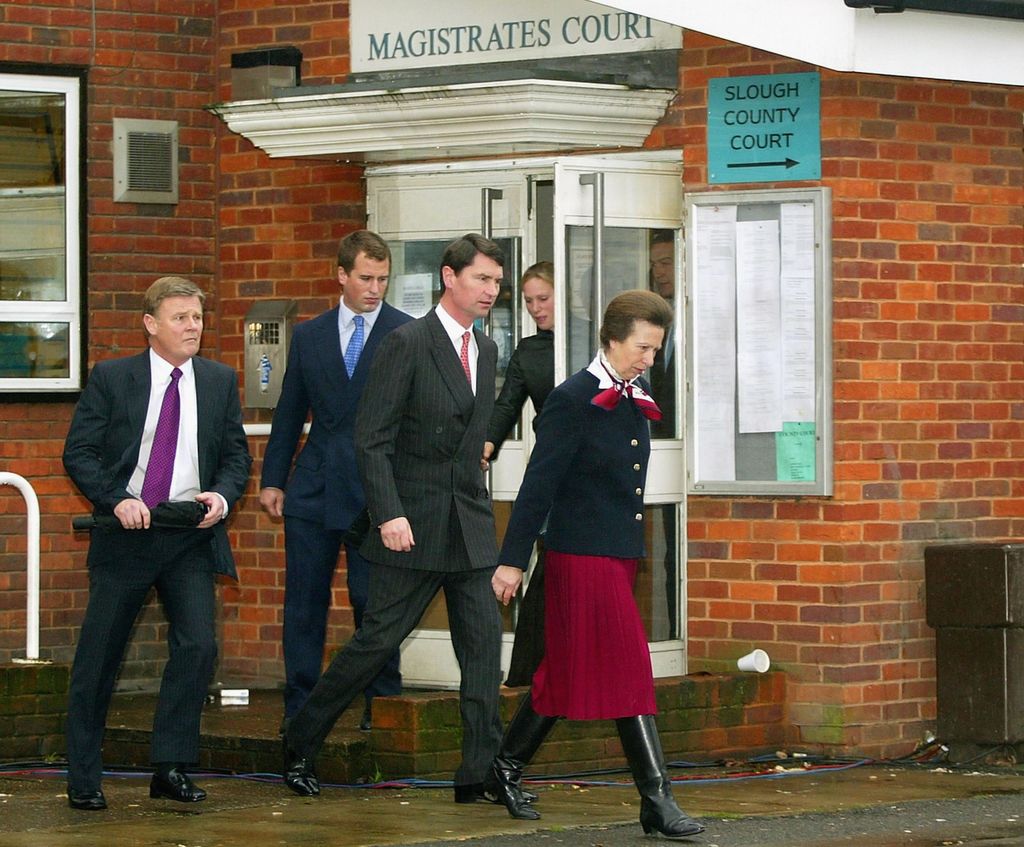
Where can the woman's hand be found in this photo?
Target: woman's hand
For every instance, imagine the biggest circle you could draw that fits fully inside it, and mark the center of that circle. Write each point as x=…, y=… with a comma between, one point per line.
x=505, y=582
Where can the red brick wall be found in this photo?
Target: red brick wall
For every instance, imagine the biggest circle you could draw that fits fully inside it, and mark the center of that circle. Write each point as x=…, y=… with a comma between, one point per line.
x=144, y=61
x=280, y=223
x=927, y=322
x=246, y=227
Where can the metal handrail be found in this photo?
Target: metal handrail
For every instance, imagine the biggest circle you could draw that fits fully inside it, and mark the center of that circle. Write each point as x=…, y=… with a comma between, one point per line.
x=32, y=567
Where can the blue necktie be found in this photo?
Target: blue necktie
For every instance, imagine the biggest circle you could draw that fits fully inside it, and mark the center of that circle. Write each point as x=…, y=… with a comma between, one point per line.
x=355, y=346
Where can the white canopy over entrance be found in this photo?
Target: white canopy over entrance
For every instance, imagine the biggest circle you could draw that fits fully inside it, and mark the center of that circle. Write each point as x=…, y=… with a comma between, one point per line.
x=911, y=43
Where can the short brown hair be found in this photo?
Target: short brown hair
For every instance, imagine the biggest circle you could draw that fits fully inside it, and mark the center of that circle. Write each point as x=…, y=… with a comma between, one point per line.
x=627, y=308
x=362, y=241
x=169, y=286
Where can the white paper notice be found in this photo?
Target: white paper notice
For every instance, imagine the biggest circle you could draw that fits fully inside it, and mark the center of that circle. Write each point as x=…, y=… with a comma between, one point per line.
x=412, y=293
x=797, y=237
x=714, y=321
x=759, y=326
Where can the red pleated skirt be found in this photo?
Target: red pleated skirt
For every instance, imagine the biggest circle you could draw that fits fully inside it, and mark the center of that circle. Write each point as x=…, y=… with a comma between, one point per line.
x=596, y=663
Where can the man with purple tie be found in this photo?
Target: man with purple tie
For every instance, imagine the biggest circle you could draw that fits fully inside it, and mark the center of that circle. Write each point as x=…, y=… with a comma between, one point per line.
x=164, y=426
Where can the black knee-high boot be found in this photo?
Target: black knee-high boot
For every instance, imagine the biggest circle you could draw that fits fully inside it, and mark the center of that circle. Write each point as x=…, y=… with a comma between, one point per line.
x=523, y=736
x=658, y=810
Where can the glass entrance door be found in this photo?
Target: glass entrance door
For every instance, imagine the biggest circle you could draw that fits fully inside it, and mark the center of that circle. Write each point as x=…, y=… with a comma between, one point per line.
x=539, y=210
x=617, y=227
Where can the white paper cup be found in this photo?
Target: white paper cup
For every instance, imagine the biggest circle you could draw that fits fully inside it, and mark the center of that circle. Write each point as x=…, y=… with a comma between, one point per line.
x=756, y=660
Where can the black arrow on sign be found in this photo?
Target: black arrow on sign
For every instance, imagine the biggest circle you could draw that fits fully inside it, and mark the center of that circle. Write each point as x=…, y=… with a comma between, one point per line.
x=788, y=163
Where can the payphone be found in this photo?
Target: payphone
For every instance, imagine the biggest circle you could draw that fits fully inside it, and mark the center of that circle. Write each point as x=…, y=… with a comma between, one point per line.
x=268, y=330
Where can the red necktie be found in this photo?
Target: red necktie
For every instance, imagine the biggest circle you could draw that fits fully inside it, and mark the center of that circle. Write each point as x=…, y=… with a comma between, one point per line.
x=464, y=356
x=156, y=487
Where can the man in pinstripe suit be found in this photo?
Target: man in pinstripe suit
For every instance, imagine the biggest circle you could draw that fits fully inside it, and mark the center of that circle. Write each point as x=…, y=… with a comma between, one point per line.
x=419, y=437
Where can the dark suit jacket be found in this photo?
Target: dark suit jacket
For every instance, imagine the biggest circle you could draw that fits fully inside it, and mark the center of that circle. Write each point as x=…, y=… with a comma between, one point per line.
x=530, y=373
x=663, y=390
x=324, y=487
x=419, y=438
x=589, y=468
x=102, y=447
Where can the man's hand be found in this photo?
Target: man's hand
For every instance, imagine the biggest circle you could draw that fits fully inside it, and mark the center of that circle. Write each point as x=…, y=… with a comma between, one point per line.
x=397, y=535
x=272, y=501
x=485, y=460
x=133, y=514
x=505, y=582
x=214, y=508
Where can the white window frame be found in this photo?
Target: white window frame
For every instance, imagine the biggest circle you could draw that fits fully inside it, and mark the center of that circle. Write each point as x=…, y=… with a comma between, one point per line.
x=68, y=310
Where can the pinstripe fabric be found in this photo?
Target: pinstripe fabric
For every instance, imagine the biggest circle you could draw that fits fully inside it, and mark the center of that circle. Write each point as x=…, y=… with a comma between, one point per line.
x=419, y=442
x=398, y=598
x=419, y=438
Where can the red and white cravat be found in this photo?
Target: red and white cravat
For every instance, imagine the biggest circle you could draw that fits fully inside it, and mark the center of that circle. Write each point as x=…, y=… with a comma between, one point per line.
x=613, y=388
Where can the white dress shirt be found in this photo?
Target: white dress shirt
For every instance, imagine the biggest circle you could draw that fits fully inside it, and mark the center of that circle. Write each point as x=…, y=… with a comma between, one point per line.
x=346, y=326
x=455, y=332
x=185, y=484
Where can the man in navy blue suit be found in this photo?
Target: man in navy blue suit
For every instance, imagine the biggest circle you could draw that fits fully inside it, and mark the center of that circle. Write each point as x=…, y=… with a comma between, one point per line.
x=320, y=499
x=161, y=428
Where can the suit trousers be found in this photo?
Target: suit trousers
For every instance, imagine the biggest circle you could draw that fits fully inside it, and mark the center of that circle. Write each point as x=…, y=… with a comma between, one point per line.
x=312, y=557
x=397, y=599
x=178, y=564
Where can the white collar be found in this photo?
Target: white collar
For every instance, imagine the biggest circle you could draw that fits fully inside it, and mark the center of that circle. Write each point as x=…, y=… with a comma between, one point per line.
x=451, y=326
x=346, y=314
x=160, y=369
x=606, y=375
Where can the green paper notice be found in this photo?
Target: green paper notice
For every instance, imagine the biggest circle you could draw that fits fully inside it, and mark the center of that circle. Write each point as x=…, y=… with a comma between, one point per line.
x=795, y=452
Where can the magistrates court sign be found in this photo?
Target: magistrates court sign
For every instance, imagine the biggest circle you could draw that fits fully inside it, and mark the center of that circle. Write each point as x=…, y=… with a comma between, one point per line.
x=388, y=35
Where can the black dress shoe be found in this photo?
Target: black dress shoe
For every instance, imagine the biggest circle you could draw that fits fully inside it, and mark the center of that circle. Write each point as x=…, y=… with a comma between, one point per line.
x=476, y=791
x=366, y=723
x=299, y=774
x=86, y=801
x=174, y=784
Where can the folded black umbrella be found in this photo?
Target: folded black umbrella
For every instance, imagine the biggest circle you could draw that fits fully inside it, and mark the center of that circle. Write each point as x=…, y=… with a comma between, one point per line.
x=171, y=514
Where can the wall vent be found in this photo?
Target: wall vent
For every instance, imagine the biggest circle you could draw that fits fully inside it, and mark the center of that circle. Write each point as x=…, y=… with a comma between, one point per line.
x=145, y=161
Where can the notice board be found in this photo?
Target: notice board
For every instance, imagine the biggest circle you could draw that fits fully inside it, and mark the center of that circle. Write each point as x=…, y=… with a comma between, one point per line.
x=759, y=342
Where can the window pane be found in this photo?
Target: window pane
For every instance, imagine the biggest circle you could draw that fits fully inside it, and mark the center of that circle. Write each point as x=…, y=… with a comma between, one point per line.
x=34, y=350
x=32, y=196
x=631, y=260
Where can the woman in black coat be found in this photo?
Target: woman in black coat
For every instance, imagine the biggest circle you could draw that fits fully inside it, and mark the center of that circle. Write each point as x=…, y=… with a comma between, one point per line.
x=586, y=477
x=530, y=374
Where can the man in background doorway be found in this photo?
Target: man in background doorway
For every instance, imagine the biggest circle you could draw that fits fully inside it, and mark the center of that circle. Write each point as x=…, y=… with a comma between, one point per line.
x=662, y=373
x=320, y=499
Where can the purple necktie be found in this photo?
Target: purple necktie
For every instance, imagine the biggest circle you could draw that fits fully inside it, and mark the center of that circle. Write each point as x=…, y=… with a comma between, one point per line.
x=157, y=485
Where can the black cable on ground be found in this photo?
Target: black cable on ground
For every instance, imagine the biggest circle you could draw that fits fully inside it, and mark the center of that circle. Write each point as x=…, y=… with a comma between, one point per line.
x=931, y=753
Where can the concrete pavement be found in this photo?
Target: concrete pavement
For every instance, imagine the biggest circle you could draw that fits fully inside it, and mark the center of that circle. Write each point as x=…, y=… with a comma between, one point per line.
x=874, y=804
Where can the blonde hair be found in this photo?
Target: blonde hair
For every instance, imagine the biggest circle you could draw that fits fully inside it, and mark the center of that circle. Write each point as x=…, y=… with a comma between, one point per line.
x=169, y=286
x=539, y=270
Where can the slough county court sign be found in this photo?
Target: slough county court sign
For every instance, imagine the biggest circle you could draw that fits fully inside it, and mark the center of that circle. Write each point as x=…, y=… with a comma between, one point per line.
x=764, y=128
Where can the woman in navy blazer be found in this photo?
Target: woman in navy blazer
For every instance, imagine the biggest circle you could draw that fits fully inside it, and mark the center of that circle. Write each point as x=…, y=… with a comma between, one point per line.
x=587, y=475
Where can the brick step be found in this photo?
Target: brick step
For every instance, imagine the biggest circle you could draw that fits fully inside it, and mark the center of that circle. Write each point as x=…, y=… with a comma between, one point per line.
x=702, y=717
